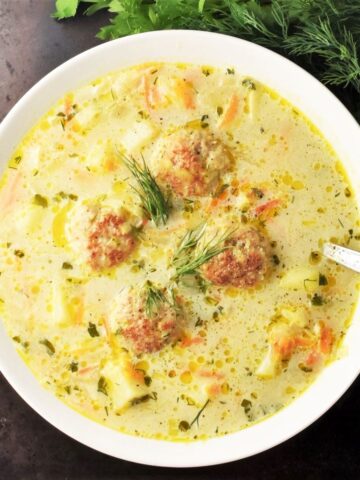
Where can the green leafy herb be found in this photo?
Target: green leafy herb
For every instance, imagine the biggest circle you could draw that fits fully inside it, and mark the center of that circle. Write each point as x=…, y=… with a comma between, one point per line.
x=93, y=332
x=153, y=201
x=74, y=366
x=154, y=298
x=189, y=256
x=323, y=36
x=102, y=386
x=276, y=260
x=322, y=280
x=19, y=253
x=49, y=346
x=67, y=266
x=317, y=300
x=197, y=418
x=40, y=200
x=249, y=84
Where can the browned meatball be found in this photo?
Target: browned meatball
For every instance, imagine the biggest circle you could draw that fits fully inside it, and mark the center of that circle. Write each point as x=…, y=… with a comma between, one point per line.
x=190, y=162
x=244, y=264
x=109, y=241
x=148, y=331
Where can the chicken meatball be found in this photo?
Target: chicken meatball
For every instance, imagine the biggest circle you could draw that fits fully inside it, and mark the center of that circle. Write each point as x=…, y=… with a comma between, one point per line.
x=146, y=323
x=102, y=237
x=190, y=162
x=245, y=263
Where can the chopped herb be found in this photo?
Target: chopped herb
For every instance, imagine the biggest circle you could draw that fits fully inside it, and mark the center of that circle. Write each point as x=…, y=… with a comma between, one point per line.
x=247, y=405
x=106, y=410
x=340, y=222
x=347, y=192
x=19, y=253
x=67, y=389
x=248, y=83
x=211, y=301
x=230, y=71
x=206, y=72
x=304, y=368
x=257, y=192
x=102, y=386
x=17, y=339
x=276, y=260
x=93, y=332
x=204, y=117
x=73, y=366
x=322, y=280
x=49, y=346
x=40, y=200
x=315, y=257
x=188, y=205
x=147, y=380
x=220, y=189
x=219, y=110
x=67, y=266
x=196, y=419
x=317, y=300
x=184, y=426
x=155, y=297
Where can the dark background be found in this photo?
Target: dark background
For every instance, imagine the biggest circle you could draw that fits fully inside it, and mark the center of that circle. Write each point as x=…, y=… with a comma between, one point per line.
x=32, y=44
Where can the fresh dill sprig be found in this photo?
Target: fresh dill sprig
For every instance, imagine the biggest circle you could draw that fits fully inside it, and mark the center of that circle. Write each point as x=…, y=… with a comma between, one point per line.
x=190, y=255
x=152, y=199
x=196, y=419
x=155, y=297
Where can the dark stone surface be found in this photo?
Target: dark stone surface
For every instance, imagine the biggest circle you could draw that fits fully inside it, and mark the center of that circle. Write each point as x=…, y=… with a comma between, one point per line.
x=32, y=44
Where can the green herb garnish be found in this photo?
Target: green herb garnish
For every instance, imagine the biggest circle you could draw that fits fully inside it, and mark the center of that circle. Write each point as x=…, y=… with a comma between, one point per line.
x=93, y=332
x=322, y=280
x=102, y=386
x=67, y=266
x=189, y=256
x=74, y=366
x=152, y=198
x=249, y=84
x=40, y=200
x=197, y=418
x=317, y=300
x=19, y=253
x=49, y=346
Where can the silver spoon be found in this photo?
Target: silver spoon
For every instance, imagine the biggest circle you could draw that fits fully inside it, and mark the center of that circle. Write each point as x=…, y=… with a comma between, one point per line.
x=344, y=256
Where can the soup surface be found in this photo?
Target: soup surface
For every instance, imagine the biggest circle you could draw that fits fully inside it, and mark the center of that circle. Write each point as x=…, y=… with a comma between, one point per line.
x=161, y=237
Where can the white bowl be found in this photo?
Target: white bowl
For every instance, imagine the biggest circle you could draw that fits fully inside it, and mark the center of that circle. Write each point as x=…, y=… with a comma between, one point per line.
x=304, y=92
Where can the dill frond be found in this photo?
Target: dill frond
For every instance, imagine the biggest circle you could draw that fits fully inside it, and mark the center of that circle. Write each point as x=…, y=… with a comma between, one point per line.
x=152, y=198
x=190, y=255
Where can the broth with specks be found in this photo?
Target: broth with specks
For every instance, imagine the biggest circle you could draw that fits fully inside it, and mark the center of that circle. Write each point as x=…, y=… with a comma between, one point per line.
x=90, y=287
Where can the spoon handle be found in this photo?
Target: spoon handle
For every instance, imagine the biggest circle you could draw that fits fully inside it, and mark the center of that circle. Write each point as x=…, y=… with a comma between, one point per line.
x=344, y=256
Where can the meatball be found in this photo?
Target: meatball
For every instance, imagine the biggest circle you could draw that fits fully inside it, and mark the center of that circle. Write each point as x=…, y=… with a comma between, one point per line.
x=190, y=162
x=147, y=331
x=100, y=236
x=245, y=263
x=109, y=242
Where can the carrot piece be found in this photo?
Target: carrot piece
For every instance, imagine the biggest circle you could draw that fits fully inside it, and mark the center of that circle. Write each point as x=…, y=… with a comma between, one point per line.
x=211, y=374
x=68, y=103
x=188, y=341
x=267, y=207
x=84, y=371
x=313, y=358
x=185, y=90
x=9, y=193
x=214, y=389
x=326, y=339
x=231, y=111
x=217, y=200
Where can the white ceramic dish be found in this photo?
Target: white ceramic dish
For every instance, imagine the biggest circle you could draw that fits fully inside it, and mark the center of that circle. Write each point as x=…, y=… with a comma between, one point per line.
x=308, y=95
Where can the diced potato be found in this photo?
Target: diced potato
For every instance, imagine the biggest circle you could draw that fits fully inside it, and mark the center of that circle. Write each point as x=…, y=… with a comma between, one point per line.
x=122, y=383
x=302, y=278
x=137, y=135
x=85, y=116
x=295, y=316
x=269, y=366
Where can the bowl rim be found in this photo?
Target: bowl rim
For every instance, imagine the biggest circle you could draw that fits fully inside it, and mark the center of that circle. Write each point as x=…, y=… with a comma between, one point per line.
x=244, y=443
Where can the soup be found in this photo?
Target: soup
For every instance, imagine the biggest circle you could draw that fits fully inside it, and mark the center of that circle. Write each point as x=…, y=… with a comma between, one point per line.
x=161, y=238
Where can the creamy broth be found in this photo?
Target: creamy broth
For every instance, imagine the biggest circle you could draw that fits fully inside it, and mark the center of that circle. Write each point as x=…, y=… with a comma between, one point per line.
x=114, y=308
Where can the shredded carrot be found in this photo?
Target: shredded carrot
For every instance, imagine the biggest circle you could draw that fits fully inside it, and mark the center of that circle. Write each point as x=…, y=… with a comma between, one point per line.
x=84, y=371
x=188, y=341
x=217, y=200
x=214, y=389
x=185, y=90
x=267, y=207
x=211, y=374
x=312, y=358
x=68, y=103
x=231, y=111
x=326, y=339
